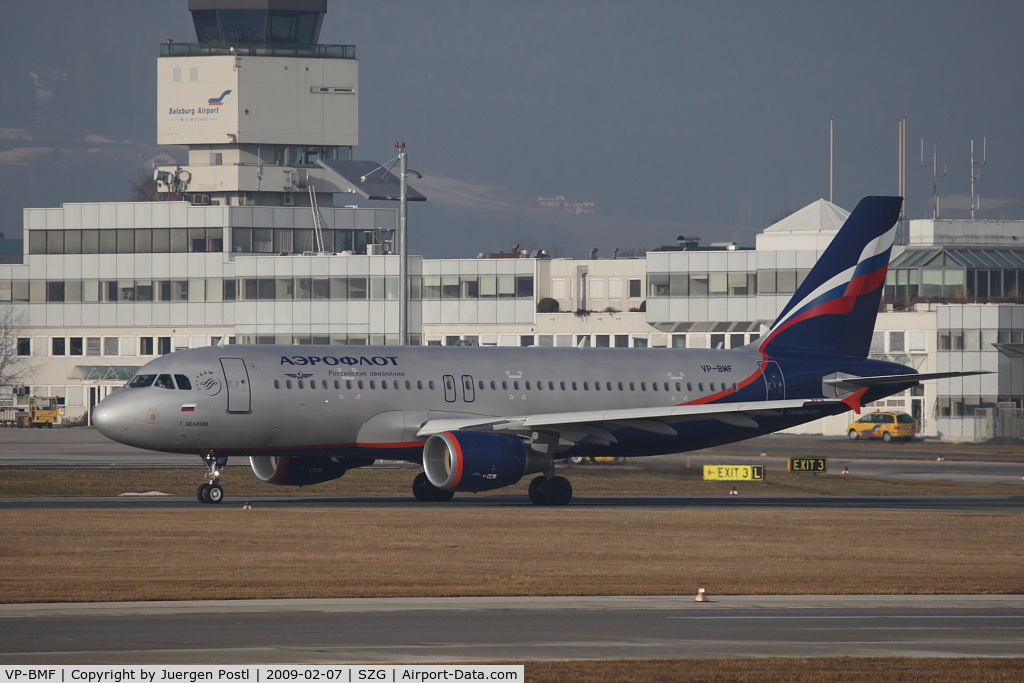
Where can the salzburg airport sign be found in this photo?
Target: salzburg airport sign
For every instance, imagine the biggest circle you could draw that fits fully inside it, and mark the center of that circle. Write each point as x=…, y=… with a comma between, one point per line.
x=208, y=111
x=733, y=472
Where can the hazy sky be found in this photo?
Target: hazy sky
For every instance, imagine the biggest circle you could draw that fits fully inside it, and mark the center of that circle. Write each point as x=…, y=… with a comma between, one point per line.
x=706, y=119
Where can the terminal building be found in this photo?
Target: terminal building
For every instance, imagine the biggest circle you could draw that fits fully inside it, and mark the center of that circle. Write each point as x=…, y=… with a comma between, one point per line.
x=249, y=243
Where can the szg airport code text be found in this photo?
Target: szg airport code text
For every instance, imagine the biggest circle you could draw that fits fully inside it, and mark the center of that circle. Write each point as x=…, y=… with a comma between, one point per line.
x=260, y=674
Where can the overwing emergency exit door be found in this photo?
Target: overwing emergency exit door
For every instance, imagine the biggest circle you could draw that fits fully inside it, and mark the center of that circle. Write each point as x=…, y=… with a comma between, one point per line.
x=236, y=379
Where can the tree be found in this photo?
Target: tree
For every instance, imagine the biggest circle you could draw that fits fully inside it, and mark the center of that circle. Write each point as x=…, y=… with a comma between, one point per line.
x=143, y=189
x=14, y=368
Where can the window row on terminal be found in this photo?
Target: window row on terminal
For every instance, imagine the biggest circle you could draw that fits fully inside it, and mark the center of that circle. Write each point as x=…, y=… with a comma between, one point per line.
x=198, y=290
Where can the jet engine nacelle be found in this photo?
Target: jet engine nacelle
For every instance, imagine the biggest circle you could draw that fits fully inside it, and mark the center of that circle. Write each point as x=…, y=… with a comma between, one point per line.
x=475, y=461
x=301, y=471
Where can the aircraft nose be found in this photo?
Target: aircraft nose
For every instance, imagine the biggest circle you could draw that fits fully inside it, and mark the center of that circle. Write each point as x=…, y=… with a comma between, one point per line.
x=112, y=416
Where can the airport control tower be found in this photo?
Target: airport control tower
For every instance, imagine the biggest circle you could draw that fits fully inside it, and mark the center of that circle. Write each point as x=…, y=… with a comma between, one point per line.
x=259, y=102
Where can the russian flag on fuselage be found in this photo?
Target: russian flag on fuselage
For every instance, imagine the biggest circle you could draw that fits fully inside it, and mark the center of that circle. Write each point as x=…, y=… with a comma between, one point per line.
x=833, y=311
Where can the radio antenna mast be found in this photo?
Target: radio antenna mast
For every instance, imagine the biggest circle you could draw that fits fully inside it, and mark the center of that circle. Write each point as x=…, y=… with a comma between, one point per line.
x=935, y=178
x=976, y=175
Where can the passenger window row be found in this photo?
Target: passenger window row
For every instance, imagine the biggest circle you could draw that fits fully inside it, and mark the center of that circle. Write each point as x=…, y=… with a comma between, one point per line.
x=597, y=386
x=359, y=384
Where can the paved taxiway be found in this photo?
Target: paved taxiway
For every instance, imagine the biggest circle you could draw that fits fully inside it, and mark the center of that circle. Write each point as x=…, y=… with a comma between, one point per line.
x=87, y=448
x=509, y=629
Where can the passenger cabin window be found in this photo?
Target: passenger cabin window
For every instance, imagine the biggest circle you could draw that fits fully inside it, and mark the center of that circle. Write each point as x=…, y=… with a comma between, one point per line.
x=562, y=385
x=287, y=384
x=360, y=384
x=140, y=381
x=419, y=384
x=700, y=386
x=527, y=385
x=689, y=386
x=734, y=387
x=574, y=386
x=632, y=387
x=620, y=386
x=608, y=386
x=586, y=387
x=654, y=386
x=677, y=387
x=277, y=384
x=540, y=386
x=551, y=386
x=373, y=384
x=430, y=384
x=480, y=384
x=348, y=384
x=515, y=385
x=711, y=386
x=408, y=385
x=337, y=384
x=164, y=382
x=302, y=385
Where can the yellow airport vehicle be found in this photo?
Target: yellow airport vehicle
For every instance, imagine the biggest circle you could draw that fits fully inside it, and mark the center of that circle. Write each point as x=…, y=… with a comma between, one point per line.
x=579, y=459
x=885, y=426
x=42, y=410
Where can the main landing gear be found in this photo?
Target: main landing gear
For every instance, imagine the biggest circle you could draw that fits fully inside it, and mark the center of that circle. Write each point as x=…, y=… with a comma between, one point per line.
x=549, y=489
x=212, y=492
x=426, y=492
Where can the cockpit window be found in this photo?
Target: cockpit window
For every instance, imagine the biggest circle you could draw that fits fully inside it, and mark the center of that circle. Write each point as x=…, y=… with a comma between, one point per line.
x=164, y=382
x=140, y=381
x=183, y=382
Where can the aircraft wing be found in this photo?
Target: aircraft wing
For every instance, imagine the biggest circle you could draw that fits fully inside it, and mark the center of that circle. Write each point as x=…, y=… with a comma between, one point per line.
x=592, y=426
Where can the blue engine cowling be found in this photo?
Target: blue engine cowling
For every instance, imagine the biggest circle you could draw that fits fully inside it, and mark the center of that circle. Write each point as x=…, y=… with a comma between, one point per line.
x=475, y=461
x=284, y=470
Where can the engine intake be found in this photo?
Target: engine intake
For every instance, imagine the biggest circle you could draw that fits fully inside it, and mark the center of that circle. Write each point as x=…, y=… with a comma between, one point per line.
x=288, y=470
x=475, y=461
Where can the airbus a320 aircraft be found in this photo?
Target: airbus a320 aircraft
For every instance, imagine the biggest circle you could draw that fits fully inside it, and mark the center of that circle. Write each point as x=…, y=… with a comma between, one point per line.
x=482, y=418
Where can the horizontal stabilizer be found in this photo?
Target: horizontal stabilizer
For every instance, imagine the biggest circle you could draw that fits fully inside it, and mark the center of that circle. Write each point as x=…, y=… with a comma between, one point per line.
x=898, y=379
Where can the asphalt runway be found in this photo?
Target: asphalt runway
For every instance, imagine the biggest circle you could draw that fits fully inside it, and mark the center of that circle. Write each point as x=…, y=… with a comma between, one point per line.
x=464, y=501
x=443, y=630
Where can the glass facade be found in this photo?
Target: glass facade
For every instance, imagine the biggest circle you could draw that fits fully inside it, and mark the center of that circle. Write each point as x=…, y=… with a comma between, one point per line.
x=955, y=276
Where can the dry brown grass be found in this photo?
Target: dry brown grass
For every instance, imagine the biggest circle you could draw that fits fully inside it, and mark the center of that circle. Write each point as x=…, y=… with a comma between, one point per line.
x=796, y=669
x=588, y=480
x=210, y=552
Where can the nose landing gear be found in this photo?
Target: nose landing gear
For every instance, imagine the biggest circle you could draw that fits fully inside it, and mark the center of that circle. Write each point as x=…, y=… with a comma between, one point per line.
x=212, y=492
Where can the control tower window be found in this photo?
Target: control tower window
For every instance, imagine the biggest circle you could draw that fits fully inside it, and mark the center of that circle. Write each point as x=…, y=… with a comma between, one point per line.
x=257, y=26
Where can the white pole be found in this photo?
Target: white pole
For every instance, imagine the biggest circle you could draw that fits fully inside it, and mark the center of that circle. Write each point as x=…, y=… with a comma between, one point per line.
x=403, y=254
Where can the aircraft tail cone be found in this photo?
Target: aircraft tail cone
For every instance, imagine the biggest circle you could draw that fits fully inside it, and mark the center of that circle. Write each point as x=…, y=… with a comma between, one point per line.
x=734, y=492
x=701, y=596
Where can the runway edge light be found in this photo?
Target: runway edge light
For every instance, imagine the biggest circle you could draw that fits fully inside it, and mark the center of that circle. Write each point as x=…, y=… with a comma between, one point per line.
x=701, y=596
